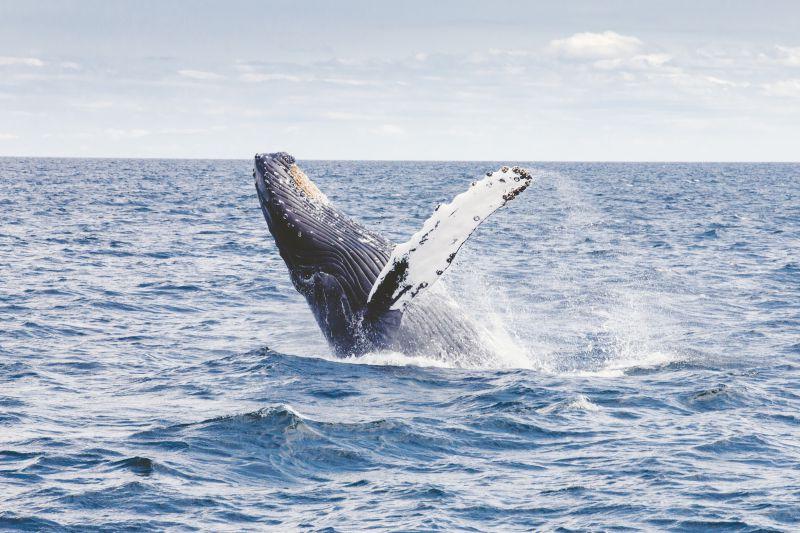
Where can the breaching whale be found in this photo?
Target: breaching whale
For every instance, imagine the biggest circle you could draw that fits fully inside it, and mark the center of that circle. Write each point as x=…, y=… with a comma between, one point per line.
x=364, y=290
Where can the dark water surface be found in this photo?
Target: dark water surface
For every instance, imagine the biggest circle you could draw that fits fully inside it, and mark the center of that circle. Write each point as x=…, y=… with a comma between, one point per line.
x=158, y=370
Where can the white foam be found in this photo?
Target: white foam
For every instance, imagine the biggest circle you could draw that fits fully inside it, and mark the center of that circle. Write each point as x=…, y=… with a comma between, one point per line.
x=392, y=358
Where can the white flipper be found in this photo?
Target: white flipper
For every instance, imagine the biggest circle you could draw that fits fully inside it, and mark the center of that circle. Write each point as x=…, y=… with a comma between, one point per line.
x=417, y=264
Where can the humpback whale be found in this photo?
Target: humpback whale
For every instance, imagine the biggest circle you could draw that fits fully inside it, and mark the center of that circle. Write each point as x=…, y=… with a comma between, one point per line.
x=363, y=289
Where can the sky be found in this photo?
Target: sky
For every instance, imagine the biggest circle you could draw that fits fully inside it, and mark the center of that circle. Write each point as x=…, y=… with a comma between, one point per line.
x=424, y=80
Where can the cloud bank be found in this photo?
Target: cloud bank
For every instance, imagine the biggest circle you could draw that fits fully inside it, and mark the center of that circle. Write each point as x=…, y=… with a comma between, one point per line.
x=441, y=87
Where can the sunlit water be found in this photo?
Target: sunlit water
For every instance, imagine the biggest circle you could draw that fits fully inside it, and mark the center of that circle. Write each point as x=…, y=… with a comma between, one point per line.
x=158, y=370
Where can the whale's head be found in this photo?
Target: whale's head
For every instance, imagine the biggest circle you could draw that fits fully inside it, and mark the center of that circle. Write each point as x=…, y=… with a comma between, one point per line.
x=300, y=217
x=332, y=260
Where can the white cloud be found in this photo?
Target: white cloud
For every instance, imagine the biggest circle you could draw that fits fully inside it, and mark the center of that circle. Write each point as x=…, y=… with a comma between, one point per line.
x=637, y=62
x=259, y=77
x=200, y=75
x=784, y=88
x=349, y=81
x=510, y=52
x=343, y=115
x=789, y=56
x=388, y=129
x=8, y=137
x=589, y=45
x=135, y=133
x=713, y=80
x=6, y=61
x=70, y=65
x=191, y=131
x=71, y=136
x=96, y=104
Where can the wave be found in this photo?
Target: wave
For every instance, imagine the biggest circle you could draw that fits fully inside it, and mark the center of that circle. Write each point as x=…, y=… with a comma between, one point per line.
x=579, y=403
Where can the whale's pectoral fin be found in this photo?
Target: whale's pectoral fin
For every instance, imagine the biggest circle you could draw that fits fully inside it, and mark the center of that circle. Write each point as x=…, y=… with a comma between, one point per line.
x=416, y=265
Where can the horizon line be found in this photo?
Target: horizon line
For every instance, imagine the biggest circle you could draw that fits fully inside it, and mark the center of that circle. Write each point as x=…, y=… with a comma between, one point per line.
x=152, y=158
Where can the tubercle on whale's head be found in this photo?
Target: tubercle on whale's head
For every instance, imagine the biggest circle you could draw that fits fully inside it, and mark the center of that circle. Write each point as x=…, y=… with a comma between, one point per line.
x=304, y=184
x=278, y=173
x=290, y=201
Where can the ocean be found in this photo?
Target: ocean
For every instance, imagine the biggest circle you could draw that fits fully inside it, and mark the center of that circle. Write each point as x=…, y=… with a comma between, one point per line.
x=158, y=371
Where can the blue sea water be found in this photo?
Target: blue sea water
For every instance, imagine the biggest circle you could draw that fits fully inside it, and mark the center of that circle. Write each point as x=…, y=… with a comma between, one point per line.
x=158, y=370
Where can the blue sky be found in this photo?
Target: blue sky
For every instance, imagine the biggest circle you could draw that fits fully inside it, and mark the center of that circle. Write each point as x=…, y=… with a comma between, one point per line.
x=612, y=80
